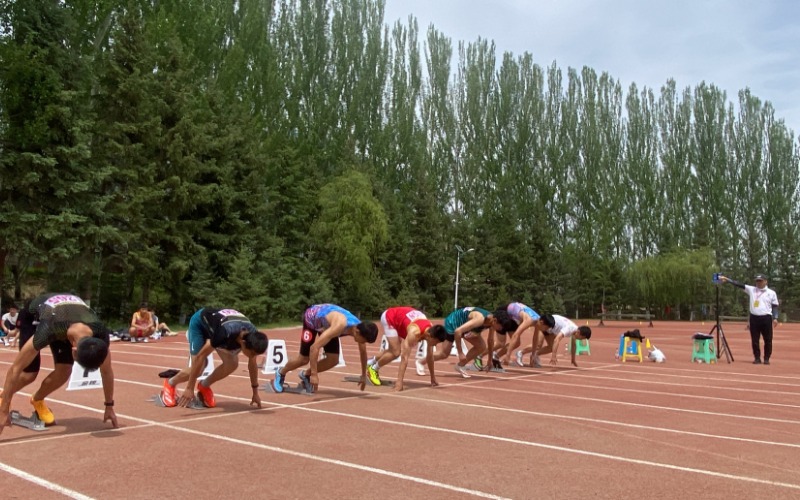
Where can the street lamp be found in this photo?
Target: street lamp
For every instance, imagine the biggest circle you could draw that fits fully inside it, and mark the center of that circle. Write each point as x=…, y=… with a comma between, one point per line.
x=460, y=251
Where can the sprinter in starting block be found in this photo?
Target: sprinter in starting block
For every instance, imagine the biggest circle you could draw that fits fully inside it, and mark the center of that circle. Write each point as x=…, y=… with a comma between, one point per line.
x=228, y=332
x=65, y=324
x=323, y=325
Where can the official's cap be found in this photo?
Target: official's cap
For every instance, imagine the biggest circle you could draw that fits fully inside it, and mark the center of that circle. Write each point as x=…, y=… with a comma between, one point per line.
x=761, y=277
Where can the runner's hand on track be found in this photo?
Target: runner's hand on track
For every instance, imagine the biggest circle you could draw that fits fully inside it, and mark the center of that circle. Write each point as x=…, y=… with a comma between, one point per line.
x=187, y=397
x=109, y=415
x=256, y=401
x=362, y=382
x=314, y=379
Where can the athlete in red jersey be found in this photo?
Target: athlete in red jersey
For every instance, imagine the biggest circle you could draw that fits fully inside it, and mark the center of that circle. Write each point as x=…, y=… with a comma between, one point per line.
x=404, y=327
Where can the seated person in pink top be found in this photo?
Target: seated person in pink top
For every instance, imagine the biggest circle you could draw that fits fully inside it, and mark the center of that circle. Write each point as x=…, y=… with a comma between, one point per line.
x=142, y=325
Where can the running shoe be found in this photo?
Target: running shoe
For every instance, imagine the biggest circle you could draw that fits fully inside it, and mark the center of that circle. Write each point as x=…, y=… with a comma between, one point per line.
x=168, y=396
x=496, y=365
x=420, y=368
x=463, y=371
x=478, y=364
x=44, y=413
x=278, y=381
x=206, y=395
x=519, y=359
x=374, y=377
x=306, y=382
x=536, y=362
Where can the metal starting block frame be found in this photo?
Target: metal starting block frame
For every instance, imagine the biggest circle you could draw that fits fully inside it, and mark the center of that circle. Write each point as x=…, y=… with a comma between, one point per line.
x=354, y=378
x=287, y=388
x=33, y=423
x=195, y=404
x=471, y=367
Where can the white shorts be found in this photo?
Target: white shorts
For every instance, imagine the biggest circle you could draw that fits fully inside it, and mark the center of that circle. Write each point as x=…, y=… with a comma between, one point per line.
x=388, y=331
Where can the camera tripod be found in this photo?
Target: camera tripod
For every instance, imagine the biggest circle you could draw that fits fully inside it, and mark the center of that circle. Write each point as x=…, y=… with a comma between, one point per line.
x=722, y=342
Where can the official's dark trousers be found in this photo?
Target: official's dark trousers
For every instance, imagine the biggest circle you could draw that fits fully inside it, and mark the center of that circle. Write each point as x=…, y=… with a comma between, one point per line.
x=761, y=325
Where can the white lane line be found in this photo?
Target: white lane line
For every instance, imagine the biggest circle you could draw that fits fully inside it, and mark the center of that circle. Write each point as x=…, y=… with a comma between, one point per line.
x=299, y=454
x=42, y=482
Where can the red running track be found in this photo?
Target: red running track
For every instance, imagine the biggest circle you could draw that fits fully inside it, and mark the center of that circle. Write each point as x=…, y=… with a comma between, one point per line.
x=605, y=430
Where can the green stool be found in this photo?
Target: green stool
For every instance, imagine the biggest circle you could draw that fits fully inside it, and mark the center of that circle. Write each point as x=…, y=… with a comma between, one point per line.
x=581, y=347
x=704, y=350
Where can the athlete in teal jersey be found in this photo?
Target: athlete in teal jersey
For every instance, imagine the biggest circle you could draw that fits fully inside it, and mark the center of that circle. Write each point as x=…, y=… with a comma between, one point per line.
x=466, y=323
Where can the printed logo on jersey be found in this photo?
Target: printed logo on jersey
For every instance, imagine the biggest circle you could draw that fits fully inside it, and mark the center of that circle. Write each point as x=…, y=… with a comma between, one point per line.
x=56, y=300
x=229, y=312
x=415, y=315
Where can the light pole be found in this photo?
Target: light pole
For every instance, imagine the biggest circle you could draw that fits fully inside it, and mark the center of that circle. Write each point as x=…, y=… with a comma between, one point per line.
x=460, y=251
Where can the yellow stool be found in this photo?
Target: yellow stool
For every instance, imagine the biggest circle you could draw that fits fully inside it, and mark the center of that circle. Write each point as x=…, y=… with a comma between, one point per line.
x=631, y=348
x=704, y=350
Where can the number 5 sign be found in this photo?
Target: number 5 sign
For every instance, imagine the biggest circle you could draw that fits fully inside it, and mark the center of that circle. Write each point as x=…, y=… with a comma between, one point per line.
x=276, y=356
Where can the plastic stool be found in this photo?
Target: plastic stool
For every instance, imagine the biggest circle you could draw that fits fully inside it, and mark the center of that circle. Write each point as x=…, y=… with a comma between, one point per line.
x=704, y=350
x=581, y=347
x=631, y=348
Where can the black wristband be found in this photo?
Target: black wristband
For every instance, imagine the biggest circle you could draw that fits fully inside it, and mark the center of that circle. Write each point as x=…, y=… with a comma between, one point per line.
x=254, y=386
x=109, y=404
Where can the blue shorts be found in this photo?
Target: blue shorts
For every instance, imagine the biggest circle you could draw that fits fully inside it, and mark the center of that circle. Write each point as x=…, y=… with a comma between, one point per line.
x=194, y=334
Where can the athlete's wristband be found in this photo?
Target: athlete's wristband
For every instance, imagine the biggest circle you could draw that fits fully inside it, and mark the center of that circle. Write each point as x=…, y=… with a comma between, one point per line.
x=109, y=404
x=254, y=386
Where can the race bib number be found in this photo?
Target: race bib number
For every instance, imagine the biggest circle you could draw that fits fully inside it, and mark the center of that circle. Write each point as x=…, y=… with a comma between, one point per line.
x=56, y=300
x=230, y=312
x=308, y=336
x=415, y=315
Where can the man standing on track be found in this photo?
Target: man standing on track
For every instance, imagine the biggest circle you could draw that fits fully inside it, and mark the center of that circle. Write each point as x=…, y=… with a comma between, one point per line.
x=323, y=325
x=763, y=315
x=73, y=332
x=404, y=327
x=226, y=331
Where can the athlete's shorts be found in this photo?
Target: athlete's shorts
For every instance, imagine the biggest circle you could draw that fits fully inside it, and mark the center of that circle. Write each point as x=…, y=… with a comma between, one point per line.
x=194, y=334
x=388, y=331
x=308, y=337
x=61, y=349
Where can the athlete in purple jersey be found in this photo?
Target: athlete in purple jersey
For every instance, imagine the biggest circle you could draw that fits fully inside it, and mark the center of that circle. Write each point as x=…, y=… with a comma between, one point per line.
x=323, y=324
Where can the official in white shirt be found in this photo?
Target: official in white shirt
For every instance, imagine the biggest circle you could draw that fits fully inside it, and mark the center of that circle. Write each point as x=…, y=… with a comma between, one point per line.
x=763, y=314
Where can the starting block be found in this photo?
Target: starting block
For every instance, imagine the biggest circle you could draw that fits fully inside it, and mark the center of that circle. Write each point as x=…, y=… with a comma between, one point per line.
x=287, y=388
x=495, y=368
x=33, y=423
x=195, y=404
x=353, y=378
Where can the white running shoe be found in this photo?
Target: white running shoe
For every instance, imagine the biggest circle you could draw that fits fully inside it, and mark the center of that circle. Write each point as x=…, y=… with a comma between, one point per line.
x=536, y=362
x=420, y=368
x=463, y=371
x=519, y=359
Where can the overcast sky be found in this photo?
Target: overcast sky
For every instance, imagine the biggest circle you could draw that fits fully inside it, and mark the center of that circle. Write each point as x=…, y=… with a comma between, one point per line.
x=731, y=43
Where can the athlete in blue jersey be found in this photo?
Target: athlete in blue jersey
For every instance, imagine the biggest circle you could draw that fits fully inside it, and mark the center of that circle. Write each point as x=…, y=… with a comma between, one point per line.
x=323, y=324
x=525, y=317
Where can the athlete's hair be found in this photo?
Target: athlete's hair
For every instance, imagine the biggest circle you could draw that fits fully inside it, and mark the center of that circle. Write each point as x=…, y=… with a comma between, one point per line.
x=438, y=332
x=368, y=330
x=91, y=352
x=506, y=323
x=256, y=341
x=143, y=305
x=549, y=320
x=585, y=331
